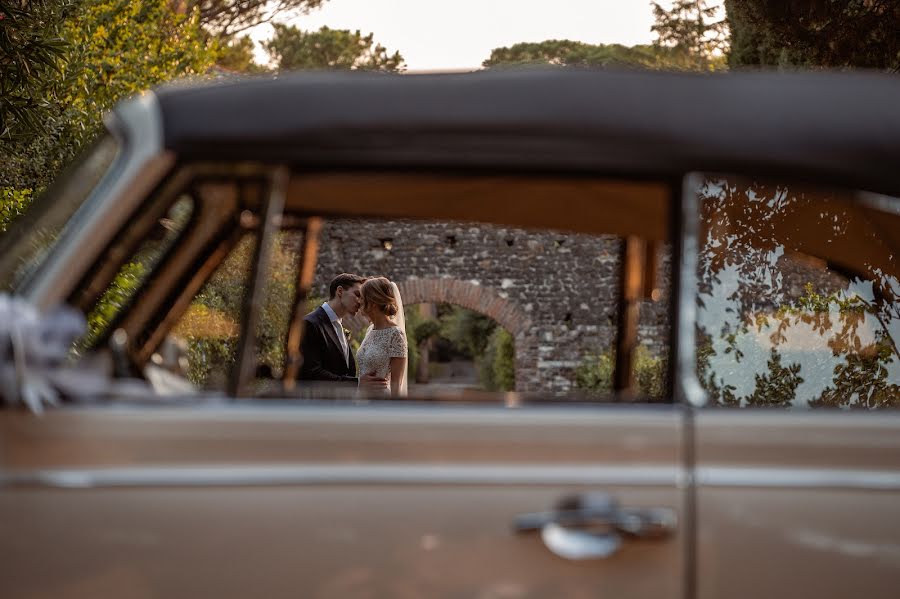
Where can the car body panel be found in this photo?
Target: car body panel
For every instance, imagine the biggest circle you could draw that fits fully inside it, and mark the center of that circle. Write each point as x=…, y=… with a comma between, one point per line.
x=408, y=501
x=801, y=503
x=228, y=497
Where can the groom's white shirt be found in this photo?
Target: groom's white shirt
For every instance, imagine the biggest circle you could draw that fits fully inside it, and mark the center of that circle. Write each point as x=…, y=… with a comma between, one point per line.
x=339, y=329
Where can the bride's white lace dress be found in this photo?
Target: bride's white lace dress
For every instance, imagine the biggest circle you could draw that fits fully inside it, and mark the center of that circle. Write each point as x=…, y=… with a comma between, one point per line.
x=377, y=349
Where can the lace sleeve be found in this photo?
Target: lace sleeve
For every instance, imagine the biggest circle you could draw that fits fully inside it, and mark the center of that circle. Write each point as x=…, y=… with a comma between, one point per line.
x=397, y=347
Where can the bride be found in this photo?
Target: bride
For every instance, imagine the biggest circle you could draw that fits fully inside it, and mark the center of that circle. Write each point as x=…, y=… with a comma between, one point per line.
x=383, y=351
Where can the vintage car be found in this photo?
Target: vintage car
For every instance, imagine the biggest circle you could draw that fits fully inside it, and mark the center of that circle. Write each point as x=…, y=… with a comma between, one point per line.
x=698, y=275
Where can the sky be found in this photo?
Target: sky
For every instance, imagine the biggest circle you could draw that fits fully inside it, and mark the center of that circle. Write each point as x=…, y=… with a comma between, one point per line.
x=442, y=35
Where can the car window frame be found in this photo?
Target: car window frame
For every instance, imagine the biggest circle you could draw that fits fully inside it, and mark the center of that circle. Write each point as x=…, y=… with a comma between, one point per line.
x=692, y=391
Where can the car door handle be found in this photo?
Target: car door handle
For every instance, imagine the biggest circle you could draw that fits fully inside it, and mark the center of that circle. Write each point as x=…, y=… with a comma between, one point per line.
x=592, y=525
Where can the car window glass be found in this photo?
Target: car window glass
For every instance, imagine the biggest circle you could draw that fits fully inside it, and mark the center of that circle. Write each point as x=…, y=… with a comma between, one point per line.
x=798, y=296
x=275, y=311
x=134, y=271
x=31, y=238
x=499, y=307
x=494, y=312
x=209, y=331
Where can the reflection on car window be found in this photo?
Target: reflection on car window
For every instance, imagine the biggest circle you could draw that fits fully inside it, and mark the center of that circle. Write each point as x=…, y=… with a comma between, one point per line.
x=31, y=238
x=798, y=297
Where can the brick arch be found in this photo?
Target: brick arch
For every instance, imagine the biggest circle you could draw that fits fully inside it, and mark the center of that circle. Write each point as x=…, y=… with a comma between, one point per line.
x=488, y=301
x=484, y=300
x=554, y=293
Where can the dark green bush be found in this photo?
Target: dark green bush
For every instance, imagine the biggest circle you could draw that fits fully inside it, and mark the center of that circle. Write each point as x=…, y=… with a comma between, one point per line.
x=596, y=372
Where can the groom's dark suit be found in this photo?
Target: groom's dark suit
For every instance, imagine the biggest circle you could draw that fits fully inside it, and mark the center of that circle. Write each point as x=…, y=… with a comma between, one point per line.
x=323, y=355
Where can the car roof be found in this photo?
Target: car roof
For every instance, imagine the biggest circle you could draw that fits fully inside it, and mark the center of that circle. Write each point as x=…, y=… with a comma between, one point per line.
x=826, y=126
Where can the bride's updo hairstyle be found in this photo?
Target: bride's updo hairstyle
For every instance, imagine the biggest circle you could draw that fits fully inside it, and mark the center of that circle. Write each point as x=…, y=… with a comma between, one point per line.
x=380, y=293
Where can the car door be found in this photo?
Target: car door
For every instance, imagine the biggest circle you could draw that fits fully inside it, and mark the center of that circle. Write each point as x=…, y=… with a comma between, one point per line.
x=327, y=501
x=210, y=496
x=798, y=445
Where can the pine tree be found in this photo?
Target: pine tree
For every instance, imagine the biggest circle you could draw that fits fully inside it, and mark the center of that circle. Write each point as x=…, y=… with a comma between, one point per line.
x=693, y=33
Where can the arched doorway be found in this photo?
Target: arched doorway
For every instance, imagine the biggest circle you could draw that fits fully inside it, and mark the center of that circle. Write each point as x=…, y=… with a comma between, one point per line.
x=486, y=301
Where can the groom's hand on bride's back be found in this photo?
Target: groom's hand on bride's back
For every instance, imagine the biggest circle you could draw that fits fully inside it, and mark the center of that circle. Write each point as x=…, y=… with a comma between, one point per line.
x=373, y=383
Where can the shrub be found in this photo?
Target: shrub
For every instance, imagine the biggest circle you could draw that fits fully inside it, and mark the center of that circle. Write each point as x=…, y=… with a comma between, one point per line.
x=596, y=372
x=13, y=203
x=497, y=367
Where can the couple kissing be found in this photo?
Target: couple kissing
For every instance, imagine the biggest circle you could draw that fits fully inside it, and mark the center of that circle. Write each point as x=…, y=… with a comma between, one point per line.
x=381, y=356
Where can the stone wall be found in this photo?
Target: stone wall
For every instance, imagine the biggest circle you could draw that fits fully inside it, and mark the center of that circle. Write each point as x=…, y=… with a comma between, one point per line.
x=555, y=293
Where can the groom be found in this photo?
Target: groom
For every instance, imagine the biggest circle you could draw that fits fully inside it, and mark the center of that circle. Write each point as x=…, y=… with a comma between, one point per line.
x=325, y=346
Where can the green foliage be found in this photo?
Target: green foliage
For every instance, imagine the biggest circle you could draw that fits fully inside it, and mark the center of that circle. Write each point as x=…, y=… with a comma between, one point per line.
x=425, y=328
x=742, y=265
x=224, y=291
x=689, y=38
x=123, y=47
x=416, y=334
x=815, y=33
x=228, y=17
x=778, y=387
x=570, y=53
x=650, y=373
x=132, y=274
x=13, y=203
x=114, y=49
x=327, y=48
x=595, y=374
x=497, y=367
x=490, y=346
x=718, y=392
x=111, y=303
x=32, y=56
x=209, y=360
x=211, y=327
x=469, y=331
x=860, y=379
x=236, y=54
x=862, y=382
x=690, y=30
x=471, y=334
x=223, y=297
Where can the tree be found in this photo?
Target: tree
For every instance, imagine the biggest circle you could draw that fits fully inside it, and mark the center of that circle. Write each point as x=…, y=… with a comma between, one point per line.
x=31, y=59
x=236, y=54
x=228, y=17
x=778, y=387
x=115, y=48
x=749, y=269
x=692, y=33
x=570, y=53
x=595, y=373
x=497, y=368
x=467, y=330
x=815, y=33
x=327, y=48
x=13, y=203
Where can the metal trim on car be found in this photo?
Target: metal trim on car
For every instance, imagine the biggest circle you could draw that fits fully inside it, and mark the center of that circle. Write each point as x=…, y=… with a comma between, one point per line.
x=142, y=161
x=340, y=474
x=691, y=389
x=453, y=474
x=797, y=478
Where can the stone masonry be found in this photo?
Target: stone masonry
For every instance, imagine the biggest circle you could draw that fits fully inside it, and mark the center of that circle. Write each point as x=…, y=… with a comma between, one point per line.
x=555, y=293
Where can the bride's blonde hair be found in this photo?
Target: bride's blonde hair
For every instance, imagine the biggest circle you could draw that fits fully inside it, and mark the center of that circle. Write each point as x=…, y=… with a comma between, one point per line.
x=379, y=292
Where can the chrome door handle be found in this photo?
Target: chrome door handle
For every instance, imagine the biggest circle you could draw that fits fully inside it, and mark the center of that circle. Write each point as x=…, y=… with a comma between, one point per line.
x=592, y=525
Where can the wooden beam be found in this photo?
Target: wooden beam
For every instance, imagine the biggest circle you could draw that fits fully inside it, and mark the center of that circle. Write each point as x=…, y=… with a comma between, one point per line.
x=634, y=251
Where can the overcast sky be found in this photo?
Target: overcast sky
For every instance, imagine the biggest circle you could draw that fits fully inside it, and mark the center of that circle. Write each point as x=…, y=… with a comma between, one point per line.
x=460, y=34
